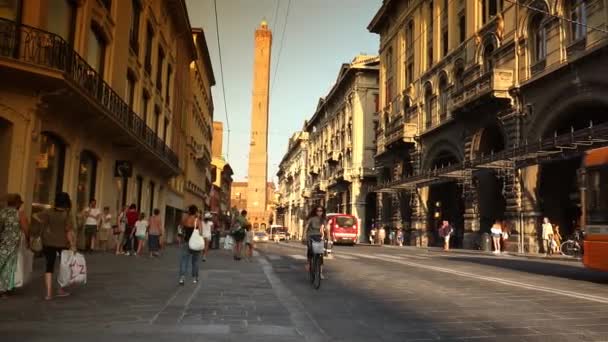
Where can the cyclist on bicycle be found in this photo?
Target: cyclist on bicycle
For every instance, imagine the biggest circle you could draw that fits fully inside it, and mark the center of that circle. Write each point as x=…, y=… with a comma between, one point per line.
x=315, y=230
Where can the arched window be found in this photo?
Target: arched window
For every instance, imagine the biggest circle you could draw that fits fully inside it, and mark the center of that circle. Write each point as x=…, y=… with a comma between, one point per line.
x=87, y=174
x=428, y=107
x=443, y=97
x=488, y=57
x=538, y=38
x=48, y=179
x=577, y=10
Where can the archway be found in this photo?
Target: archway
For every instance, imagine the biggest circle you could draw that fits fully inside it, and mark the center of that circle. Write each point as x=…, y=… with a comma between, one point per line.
x=491, y=201
x=445, y=202
x=50, y=164
x=558, y=188
x=370, y=215
x=6, y=137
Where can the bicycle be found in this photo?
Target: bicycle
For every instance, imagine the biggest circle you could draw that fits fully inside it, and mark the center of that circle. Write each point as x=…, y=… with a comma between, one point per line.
x=573, y=246
x=318, y=249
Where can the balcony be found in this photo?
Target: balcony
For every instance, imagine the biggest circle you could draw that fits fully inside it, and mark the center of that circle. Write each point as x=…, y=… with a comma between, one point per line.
x=401, y=133
x=48, y=63
x=492, y=84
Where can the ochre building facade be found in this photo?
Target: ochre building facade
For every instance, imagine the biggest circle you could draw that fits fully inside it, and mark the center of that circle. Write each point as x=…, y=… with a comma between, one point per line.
x=479, y=100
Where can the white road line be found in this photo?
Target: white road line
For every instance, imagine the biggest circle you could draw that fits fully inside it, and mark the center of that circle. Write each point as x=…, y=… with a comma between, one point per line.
x=274, y=257
x=550, y=290
x=344, y=256
x=256, y=253
x=403, y=256
x=298, y=256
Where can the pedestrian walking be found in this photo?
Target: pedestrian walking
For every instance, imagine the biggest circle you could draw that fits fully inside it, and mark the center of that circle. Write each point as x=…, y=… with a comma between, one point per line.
x=557, y=239
x=13, y=229
x=372, y=235
x=547, y=235
x=249, y=243
x=119, y=230
x=132, y=217
x=141, y=230
x=392, y=237
x=207, y=228
x=400, y=237
x=496, y=232
x=56, y=228
x=156, y=231
x=92, y=220
x=381, y=236
x=446, y=232
x=238, y=233
x=189, y=223
x=104, y=233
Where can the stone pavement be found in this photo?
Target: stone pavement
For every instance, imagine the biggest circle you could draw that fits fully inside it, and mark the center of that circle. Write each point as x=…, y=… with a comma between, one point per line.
x=138, y=298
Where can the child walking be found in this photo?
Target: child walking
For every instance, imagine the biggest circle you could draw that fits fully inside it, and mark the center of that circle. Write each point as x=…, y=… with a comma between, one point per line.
x=141, y=228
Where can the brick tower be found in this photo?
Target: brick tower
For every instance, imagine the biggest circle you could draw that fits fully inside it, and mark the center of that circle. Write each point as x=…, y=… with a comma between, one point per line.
x=258, y=149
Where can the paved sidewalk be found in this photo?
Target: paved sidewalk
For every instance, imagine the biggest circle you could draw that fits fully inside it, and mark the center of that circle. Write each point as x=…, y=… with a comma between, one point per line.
x=138, y=298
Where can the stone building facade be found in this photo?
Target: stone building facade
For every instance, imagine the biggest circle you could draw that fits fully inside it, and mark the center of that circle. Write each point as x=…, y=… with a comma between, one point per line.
x=486, y=108
x=337, y=163
x=91, y=104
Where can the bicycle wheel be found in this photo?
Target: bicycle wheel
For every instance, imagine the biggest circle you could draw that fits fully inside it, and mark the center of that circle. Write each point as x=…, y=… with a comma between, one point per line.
x=569, y=248
x=316, y=283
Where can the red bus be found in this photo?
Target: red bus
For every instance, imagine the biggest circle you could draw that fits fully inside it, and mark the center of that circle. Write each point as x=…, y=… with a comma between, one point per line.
x=594, y=218
x=343, y=228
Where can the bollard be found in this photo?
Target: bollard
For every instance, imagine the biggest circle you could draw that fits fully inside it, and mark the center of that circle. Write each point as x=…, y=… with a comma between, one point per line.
x=485, y=242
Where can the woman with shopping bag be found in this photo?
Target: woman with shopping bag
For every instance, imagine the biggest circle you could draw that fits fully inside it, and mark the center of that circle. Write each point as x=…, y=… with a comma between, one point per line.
x=56, y=228
x=13, y=229
x=191, y=224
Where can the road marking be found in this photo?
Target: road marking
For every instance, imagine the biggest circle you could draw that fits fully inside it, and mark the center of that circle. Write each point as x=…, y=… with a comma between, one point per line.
x=274, y=257
x=298, y=256
x=344, y=256
x=550, y=290
x=256, y=253
x=403, y=256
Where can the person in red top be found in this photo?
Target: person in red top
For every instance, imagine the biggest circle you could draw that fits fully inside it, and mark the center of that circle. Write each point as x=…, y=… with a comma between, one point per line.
x=132, y=217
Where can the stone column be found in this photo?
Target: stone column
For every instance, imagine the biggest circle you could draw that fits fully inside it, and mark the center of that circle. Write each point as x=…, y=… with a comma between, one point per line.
x=528, y=210
x=471, y=217
x=419, y=236
x=357, y=206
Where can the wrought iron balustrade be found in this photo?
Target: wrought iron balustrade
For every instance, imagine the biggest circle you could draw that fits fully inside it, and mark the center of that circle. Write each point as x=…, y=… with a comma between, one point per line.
x=41, y=48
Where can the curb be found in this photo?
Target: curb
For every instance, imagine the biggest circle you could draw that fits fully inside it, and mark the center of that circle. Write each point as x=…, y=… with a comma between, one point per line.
x=518, y=255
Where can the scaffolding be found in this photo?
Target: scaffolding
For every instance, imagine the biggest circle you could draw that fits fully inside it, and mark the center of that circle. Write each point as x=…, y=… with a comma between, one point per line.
x=558, y=147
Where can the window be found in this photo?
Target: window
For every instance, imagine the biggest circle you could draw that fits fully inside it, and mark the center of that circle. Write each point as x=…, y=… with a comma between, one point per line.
x=151, y=190
x=428, y=108
x=409, y=74
x=134, y=30
x=409, y=44
x=148, y=56
x=458, y=75
x=578, y=17
x=48, y=179
x=61, y=19
x=538, y=32
x=430, y=33
x=139, y=188
x=389, y=76
x=444, y=29
x=165, y=129
x=159, y=68
x=443, y=97
x=130, y=90
x=10, y=10
x=156, y=120
x=87, y=174
x=168, y=88
x=107, y=4
x=96, y=51
x=145, y=104
x=490, y=8
x=488, y=57
x=462, y=27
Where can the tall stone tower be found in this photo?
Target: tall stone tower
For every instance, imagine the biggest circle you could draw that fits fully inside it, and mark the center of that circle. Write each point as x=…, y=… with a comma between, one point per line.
x=258, y=149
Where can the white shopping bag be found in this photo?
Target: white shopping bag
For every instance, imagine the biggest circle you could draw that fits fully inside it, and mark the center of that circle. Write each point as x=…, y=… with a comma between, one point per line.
x=25, y=261
x=228, y=242
x=196, y=242
x=72, y=269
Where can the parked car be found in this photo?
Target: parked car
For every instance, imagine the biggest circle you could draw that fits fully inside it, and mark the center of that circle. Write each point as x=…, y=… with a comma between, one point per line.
x=260, y=237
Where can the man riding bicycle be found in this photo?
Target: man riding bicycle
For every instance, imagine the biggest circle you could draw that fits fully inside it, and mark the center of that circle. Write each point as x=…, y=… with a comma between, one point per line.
x=315, y=231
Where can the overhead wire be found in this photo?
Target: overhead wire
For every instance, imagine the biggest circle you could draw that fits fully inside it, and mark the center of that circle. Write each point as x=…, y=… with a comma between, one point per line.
x=283, y=34
x=219, y=49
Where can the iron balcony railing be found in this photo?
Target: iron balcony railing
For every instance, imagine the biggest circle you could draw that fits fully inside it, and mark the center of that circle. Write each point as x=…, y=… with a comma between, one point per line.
x=38, y=47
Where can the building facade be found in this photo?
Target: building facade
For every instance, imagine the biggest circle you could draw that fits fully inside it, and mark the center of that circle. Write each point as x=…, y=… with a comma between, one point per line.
x=292, y=175
x=222, y=180
x=92, y=106
x=483, y=106
x=331, y=163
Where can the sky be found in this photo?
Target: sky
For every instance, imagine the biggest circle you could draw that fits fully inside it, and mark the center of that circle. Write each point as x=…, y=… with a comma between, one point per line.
x=319, y=36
